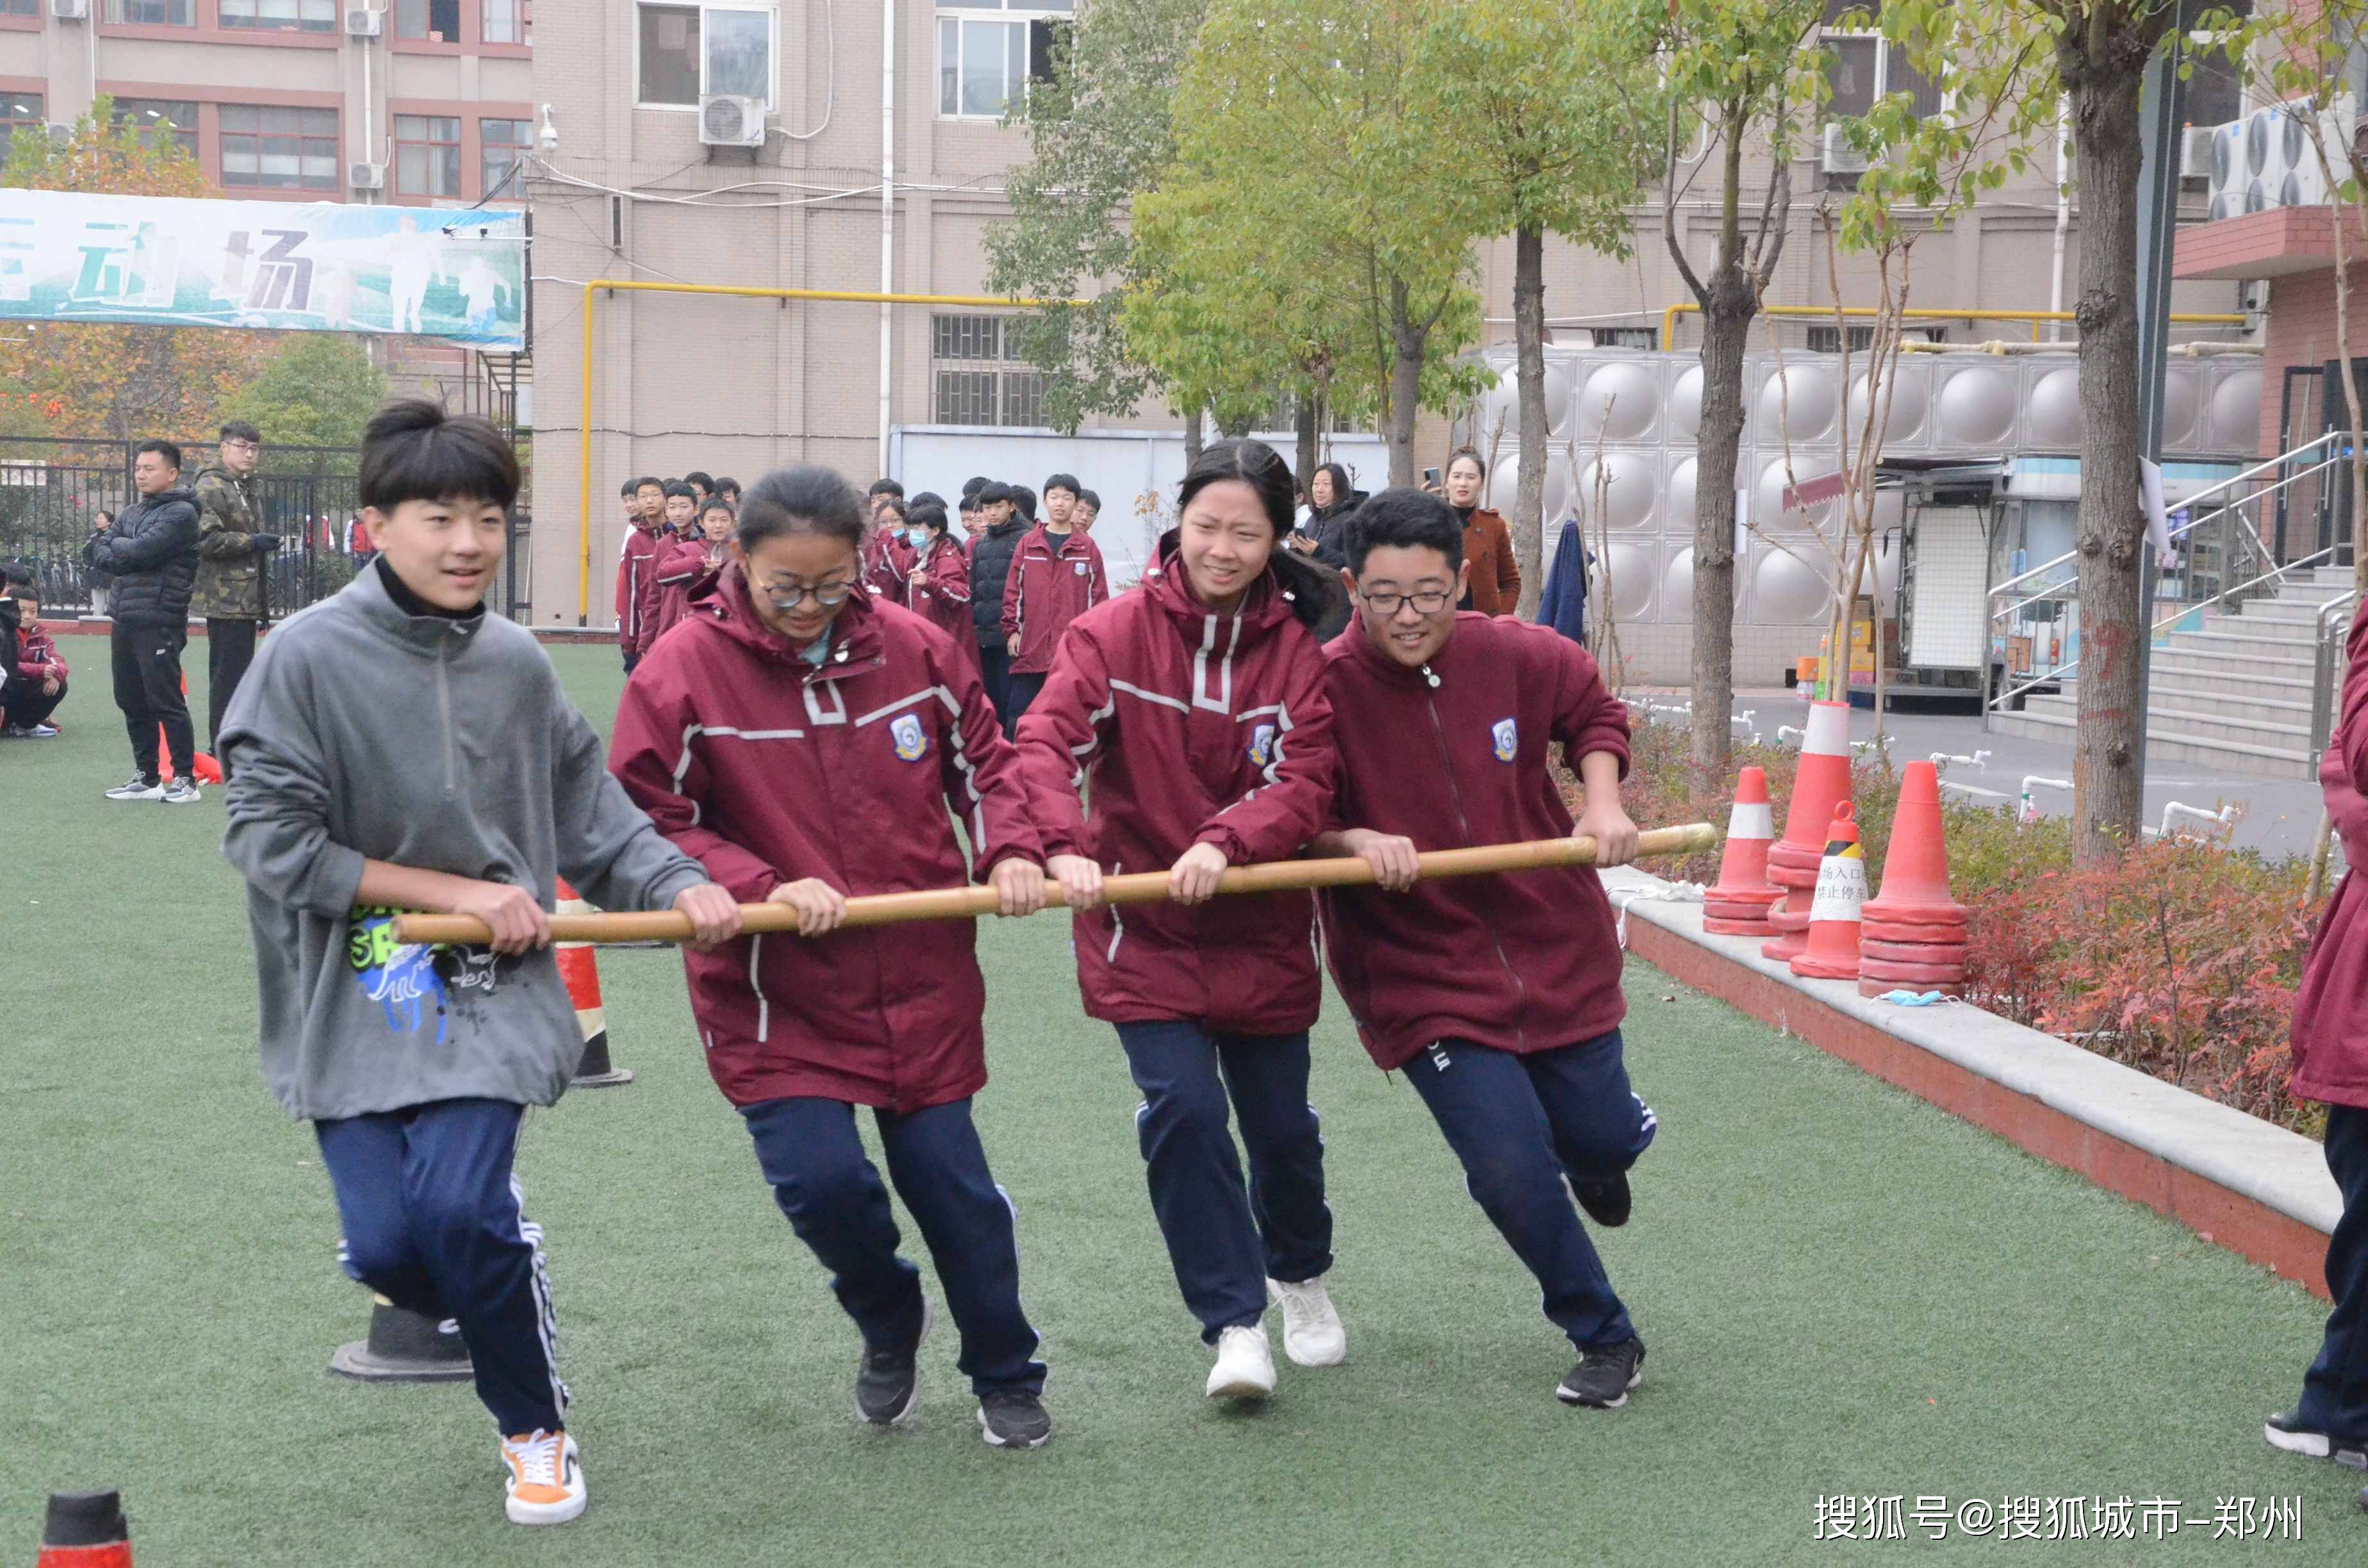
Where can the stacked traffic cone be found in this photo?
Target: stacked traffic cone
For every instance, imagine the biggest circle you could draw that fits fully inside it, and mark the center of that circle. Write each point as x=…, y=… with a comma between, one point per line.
x=1820, y=786
x=581, y=970
x=85, y=1530
x=1913, y=936
x=1738, y=905
x=1832, y=950
x=404, y=1346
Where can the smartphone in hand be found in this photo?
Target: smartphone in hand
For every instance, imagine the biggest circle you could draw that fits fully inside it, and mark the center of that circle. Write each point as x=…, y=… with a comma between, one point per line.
x=1430, y=476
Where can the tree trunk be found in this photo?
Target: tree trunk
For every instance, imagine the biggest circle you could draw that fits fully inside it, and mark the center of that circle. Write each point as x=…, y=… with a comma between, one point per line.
x=1407, y=338
x=1726, y=331
x=1304, y=467
x=1530, y=375
x=1194, y=438
x=2111, y=531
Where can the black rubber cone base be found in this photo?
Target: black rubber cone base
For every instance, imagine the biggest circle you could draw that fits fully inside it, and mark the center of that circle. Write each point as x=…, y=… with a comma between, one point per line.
x=596, y=1071
x=403, y=1347
x=85, y=1519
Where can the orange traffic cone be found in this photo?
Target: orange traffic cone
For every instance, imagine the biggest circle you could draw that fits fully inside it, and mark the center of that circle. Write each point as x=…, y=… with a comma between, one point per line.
x=580, y=971
x=1832, y=950
x=85, y=1530
x=1916, y=867
x=202, y=768
x=1821, y=784
x=1738, y=905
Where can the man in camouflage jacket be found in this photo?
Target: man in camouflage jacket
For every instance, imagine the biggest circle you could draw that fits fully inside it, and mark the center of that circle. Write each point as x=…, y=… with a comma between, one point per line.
x=233, y=560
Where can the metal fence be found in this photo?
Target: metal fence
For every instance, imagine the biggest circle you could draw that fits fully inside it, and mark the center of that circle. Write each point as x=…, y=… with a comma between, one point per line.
x=53, y=491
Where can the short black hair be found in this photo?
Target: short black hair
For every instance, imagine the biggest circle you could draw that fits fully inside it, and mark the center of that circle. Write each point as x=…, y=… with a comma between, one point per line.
x=973, y=485
x=1087, y=498
x=968, y=504
x=930, y=514
x=894, y=504
x=1403, y=517
x=718, y=503
x=1067, y=481
x=1025, y=499
x=807, y=499
x=648, y=479
x=413, y=450
x=165, y=449
x=929, y=498
x=629, y=487
x=884, y=487
x=682, y=487
x=240, y=430
x=702, y=481
x=993, y=491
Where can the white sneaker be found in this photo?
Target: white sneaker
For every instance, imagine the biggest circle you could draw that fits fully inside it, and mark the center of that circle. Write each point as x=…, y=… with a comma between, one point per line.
x=542, y=1478
x=1312, y=1334
x=1245, y=1368
x=182, y=792
x=137, y=788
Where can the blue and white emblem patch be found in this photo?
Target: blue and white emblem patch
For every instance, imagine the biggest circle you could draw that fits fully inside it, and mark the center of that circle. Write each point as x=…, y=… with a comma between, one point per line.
x=1262, y=745
x=912, y=741
x=1506, y=739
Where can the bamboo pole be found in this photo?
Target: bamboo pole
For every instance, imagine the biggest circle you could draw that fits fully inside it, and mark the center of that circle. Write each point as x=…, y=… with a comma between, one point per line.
x=1146, y=887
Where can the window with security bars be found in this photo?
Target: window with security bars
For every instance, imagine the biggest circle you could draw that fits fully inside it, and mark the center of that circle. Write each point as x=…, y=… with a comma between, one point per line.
x=1626, y=337
x=982, y=378
x=968, y=397
x=1829, y=339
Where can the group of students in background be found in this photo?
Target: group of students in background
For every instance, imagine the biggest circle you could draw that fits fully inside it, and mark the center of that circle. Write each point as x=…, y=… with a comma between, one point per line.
x=800, y=737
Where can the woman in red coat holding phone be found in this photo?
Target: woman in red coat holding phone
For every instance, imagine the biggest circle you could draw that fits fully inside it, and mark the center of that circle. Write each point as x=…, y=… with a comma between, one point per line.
x=804, y=743
x=1193, y=712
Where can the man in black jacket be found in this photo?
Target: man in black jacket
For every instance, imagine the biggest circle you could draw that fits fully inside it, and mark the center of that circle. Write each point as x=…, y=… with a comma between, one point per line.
x=152, y=553
x=991, y=550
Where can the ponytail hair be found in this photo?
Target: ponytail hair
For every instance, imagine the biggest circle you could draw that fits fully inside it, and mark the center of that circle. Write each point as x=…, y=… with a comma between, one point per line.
x=1312, y=590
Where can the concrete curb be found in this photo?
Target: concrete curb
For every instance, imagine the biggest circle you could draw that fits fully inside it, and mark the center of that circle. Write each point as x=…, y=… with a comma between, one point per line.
x=2238, y=1182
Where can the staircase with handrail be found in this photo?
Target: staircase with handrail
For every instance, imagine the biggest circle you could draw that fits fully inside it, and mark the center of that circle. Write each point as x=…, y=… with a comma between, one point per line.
x=2247, y=633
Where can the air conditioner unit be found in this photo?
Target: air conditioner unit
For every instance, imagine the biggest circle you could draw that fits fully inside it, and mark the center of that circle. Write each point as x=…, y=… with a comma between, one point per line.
x=2266, y=160
x=1835, y=154
x=70, y=10
x=726, y=119
x=361, y=22
x=2196, y=145
x=366, y=177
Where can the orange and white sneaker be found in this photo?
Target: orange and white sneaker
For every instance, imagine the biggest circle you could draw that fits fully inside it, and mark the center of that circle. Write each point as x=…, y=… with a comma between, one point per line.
x=544, y=1477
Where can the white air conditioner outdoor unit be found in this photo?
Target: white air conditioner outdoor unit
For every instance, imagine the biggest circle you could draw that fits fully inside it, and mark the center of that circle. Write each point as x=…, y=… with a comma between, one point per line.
x=366, y=177
x=70, y=10
x=1836, y=156
x=361, y=22
x=2195, y=147
x=2266, y=160
x=726, y=119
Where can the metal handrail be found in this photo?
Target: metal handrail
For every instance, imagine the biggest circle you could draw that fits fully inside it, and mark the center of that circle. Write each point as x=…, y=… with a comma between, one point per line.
x=2193, y=506
x=2333, y=631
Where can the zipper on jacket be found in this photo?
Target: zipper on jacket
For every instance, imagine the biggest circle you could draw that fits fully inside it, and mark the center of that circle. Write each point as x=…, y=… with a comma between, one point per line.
x=1455, y=794
x=444, y=705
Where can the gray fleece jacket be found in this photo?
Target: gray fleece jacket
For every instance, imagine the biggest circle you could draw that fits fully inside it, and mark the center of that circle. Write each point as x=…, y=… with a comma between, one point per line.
x=364, y=731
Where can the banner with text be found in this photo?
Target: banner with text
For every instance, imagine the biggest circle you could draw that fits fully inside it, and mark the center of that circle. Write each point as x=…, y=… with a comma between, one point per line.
x=273, y=266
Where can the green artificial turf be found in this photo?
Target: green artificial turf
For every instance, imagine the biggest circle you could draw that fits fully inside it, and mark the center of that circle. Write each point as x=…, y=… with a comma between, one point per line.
x=1844, y=1290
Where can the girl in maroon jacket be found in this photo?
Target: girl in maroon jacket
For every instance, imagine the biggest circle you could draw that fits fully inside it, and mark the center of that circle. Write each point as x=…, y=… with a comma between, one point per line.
x=1194, y=711
x=2329, y=1048
x=932, y=578
x=684, y=565
x=804, y=743
x=1498, y=997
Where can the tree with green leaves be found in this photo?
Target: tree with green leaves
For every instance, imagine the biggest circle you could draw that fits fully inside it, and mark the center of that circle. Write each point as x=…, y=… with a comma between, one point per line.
x=1098, y=131
x=1741, y=78
x=120, y=381
x=1534, y=98
x=318, y=391
x=1310, y=115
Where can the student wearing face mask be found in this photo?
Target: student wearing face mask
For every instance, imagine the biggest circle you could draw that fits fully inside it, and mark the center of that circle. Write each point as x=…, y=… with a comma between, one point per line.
x=803, y=740
x=1192, y=711
x=931, y=575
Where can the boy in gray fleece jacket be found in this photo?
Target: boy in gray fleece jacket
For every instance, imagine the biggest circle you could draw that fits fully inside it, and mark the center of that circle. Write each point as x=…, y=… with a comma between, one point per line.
x=396, y=747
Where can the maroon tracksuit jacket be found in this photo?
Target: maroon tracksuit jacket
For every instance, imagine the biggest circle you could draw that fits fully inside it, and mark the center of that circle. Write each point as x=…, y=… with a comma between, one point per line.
x=1054, y=579
x=2330, y=1042
x=1186, y=727
x=637, y=590
x=935, y=588
x=1526, y=962
x=767, y=770
x=677, y=569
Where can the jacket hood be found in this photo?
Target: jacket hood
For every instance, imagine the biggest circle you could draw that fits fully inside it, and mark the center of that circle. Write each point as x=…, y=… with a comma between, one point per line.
x=1265, y=608
x=729, y=605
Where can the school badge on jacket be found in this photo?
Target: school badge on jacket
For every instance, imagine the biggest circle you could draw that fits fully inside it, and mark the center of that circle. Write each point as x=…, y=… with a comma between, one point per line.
x=1508, y=739
x=912, y=743
x=1262, y=745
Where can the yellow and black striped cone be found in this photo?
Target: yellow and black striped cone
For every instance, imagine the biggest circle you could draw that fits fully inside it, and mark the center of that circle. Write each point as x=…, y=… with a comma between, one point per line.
x=1832, y=951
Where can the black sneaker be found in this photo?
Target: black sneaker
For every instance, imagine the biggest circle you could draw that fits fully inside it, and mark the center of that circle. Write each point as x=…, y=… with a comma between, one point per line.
x=888, y=1382
x=2284, y=1432
x=1606, y=1201
x=1013, y=1418
x=1603, y=1378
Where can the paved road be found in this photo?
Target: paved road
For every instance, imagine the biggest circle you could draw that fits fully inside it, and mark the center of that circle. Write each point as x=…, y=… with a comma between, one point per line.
x=2278, y=816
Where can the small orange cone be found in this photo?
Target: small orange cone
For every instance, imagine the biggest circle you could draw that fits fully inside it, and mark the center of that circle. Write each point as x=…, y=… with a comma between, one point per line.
x=1916, y=867
x=1832, y=950
x=197, y=764
x=581, y=970
x=85, y=1530
x=1738, y=905
x=1821, y=783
